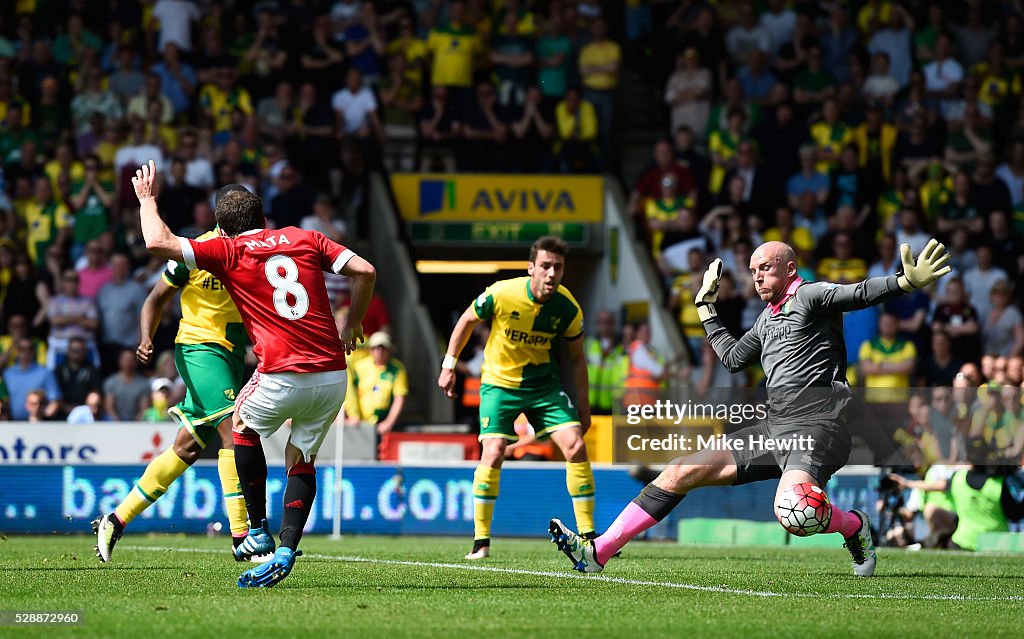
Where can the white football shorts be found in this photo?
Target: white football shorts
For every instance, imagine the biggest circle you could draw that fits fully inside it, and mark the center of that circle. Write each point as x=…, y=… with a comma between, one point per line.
x=311, y=400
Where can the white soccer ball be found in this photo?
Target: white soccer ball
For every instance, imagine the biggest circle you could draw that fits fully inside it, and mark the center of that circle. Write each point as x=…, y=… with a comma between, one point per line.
x=803, y=509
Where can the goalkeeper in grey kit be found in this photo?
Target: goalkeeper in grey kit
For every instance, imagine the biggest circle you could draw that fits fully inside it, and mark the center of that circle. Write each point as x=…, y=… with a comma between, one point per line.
x=798, y=340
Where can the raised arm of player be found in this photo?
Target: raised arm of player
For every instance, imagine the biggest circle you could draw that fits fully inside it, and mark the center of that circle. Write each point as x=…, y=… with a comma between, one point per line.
x=364, y=276
x=149, y=319
x=460, y=335
x=159, y=239
x=829, y=297
x=578, y=361
x=931, y=264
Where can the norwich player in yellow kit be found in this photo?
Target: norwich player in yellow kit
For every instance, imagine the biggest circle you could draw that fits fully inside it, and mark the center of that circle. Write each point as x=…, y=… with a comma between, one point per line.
x=530, y=316
x=209, y=352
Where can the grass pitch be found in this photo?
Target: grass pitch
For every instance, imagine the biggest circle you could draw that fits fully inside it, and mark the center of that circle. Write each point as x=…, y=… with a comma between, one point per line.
x=174, y=586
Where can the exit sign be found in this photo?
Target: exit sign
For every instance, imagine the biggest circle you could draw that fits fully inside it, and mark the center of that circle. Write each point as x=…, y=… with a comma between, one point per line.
x=496, y=232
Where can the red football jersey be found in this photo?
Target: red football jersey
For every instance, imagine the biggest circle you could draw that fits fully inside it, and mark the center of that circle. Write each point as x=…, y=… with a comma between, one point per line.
x=276, y=279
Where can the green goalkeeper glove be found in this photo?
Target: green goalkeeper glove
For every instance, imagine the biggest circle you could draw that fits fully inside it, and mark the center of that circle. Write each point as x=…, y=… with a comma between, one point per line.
x=708, y=293
x=932, y=263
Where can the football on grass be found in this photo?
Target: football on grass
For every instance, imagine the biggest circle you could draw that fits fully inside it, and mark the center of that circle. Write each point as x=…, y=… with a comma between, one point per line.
x=803, y=510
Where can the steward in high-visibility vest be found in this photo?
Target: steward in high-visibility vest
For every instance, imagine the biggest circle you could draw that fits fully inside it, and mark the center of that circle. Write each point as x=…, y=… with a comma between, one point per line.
x=978, y=503
x=606, y=370
x=471, y=392
x=983, y=500
x=646, y=370
x=619, y=374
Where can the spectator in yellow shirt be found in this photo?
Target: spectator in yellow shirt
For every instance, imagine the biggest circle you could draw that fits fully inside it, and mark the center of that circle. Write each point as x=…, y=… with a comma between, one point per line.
x=411, y=48
x=377, y=386
x=842, y=267
x=875, y=139
x=786, y=230
x=724, y=145
x=599, y=71
x=830, y=135
x=576, y=121
x=886, y=362
x=219, y=102
x=454, y=47
x=64, y=162
x=873, y=16
x=48, y=221
x=662, y=214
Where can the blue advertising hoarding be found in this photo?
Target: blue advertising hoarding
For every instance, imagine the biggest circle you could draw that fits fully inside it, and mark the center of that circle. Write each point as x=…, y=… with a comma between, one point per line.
x=376, y=499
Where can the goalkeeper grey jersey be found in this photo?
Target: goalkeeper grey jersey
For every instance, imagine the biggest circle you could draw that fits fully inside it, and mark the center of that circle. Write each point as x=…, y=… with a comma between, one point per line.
x=799, y=343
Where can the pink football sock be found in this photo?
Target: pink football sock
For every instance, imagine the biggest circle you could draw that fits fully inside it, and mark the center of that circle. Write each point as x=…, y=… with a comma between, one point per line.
x=632, y=521
x=845, y=523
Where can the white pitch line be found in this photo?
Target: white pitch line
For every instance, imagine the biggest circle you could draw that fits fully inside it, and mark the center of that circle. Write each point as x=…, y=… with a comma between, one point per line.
x=610, y=579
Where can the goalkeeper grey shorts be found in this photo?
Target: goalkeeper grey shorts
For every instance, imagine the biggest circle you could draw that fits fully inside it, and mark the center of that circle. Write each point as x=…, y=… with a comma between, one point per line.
x=768, y=450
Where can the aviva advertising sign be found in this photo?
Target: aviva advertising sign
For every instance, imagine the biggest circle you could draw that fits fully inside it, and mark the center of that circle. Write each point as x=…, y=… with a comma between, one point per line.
x=435, y=197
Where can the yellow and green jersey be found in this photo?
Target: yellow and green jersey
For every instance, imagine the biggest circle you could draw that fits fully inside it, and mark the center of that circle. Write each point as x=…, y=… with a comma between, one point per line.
x=20, y=102
x=454, y=49
x=998, y=429
x=887, y=387
x=689, y=320
x=415, y=53
x=372, y=389
x=43, y=221
x=664, y=210
x=725, y=145
x=53, y=169
x=524, y=331
x=833, y=269
x=7, y=345
x=220, y=104
x=890, y=202
x=832, y=138
x=995, y=88
x=208, y=316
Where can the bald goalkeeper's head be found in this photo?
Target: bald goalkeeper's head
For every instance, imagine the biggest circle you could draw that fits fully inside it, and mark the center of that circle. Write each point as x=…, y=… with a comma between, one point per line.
x=773, y=269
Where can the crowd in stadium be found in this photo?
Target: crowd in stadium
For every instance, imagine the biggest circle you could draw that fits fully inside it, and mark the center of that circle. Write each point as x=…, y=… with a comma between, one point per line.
x=845, y=130
x=842, y=128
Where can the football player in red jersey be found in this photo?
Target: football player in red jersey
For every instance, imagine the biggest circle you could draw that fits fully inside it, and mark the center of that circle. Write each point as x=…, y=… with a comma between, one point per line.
x=276, y=279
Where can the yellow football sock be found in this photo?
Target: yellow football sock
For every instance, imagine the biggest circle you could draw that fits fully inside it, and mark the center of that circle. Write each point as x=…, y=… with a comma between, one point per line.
x=579, y=479
x=485, y=493
x=234, y=501
x=160, y=474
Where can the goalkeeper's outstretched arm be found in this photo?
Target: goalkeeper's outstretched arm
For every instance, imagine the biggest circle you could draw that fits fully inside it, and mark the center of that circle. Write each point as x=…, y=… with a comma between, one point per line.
x=931, y=264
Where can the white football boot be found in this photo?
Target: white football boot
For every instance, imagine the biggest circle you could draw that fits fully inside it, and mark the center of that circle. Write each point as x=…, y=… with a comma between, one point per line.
x=108, y=530
x=861, y=548
x=579, y=550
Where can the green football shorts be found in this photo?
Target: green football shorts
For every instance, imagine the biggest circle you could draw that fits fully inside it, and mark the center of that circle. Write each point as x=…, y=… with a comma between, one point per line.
x=212, y=376
x=548, y=408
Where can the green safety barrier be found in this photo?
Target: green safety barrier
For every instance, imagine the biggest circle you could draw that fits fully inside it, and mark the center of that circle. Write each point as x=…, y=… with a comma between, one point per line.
x=730, y=532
